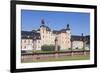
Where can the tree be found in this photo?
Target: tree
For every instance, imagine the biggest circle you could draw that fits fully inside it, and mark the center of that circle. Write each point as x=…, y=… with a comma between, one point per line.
x=48, y=48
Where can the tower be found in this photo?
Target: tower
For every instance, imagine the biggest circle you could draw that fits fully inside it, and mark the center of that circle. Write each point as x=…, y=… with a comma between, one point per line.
x=42, y=27
x=68, y=28
x=42, y=31
x=56, y=44
x=42, y=22
x=68, y=31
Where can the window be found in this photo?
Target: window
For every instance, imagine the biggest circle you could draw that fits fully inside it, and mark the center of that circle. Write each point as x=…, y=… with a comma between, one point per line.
x=32, y=41
x=43, y=36
x=43, y=30
x=68, y=41
x=76, y=47
x=24, y=47
x=24, y=41
x=38, y=41
x=28, y=41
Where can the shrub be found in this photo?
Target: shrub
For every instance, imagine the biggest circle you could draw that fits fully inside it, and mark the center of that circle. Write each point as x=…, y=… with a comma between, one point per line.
x=77, y=48
x=48, y=48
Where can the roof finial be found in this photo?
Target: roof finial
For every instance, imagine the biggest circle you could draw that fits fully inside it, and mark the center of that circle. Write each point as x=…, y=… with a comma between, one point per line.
x=68, y=27
x=82, y=34
x=42, y=21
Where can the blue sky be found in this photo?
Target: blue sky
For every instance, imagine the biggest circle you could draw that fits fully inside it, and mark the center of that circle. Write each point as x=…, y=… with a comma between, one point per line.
x=78, y=22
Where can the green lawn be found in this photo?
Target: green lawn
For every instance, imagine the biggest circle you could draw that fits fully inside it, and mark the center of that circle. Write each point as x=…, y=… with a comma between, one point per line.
x=67, y=58
x=40, y=51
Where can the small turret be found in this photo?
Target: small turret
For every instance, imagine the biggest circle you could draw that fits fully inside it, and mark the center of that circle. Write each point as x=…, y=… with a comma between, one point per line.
x=82, y=34
x=68, y=28
x=42, y=21
x=82, y=37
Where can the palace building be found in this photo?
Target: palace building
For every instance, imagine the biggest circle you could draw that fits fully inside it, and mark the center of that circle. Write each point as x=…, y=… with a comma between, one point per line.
x=35, y=39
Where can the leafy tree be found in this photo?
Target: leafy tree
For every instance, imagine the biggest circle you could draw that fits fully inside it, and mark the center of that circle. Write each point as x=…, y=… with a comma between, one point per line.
x=48, y=48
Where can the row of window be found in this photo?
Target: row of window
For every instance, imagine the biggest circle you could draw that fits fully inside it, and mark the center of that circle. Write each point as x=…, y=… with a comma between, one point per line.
x=25, y=47
x=30, y=41
x=46, y=31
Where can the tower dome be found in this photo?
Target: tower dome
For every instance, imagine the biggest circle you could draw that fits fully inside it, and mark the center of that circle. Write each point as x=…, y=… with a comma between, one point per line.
x=68, y=28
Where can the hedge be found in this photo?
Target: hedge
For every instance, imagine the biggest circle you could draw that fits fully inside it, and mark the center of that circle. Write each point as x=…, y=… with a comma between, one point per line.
x=48, y=48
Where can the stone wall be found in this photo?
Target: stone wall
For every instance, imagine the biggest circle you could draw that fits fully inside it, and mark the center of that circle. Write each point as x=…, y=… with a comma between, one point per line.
x=44, y=56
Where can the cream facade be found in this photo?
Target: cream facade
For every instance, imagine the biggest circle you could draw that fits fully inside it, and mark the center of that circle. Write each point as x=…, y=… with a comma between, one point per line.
x=27, y=44
x=33, y=40
x=77, y=44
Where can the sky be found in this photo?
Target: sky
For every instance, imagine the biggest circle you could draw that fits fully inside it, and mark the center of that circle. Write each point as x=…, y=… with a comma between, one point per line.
x=78, y=22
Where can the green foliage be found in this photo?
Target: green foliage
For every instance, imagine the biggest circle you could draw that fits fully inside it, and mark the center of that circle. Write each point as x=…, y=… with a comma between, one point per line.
x=48, y=48
x=69, y=48
x=58, y=48
x=77, y=48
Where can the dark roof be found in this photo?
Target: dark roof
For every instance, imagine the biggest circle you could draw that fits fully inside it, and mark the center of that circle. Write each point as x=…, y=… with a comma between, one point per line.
x=59, y=31
x=34, y=31
x=80, y=38
x=76, y=38
x=87, y=38
x=30, y=35
x=43, y=25
x=56, y=32
x=63, y=30
x=38, y=29
x=47, y=28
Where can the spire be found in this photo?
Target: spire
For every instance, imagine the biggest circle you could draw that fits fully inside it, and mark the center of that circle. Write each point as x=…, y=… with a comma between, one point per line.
x=82, y=34
x=42, y=21
x=68, y=27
